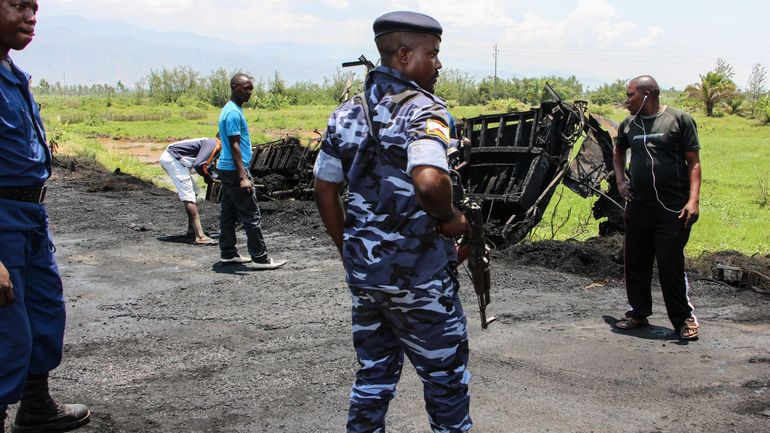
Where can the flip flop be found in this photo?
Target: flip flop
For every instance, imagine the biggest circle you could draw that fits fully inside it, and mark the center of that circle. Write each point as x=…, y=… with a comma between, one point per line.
x=689, y=330
x=207, y=241
x=629, y=323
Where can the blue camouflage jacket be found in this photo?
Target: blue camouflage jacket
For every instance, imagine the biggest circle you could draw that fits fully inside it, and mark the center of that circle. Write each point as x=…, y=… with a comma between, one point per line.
x=389, y=241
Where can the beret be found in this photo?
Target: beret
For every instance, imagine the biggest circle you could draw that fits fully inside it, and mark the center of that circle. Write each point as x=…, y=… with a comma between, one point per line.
x=404, y=21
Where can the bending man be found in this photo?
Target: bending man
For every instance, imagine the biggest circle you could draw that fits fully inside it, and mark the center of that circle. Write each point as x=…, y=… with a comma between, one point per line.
x=180, y=160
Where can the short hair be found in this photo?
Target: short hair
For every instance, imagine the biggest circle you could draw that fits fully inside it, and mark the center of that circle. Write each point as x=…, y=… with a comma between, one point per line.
x=389, y=43
x=646, y=83
x=236, y=78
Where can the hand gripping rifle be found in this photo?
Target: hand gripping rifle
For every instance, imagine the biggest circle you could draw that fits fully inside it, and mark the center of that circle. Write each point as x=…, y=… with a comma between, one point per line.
x=473, y=247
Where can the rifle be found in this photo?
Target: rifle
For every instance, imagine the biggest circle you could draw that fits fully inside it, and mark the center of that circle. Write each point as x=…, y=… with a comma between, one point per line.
x=474, y=247
x=362, y=61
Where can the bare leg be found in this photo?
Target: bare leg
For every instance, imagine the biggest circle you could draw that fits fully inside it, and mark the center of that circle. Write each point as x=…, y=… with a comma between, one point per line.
x=194, y=220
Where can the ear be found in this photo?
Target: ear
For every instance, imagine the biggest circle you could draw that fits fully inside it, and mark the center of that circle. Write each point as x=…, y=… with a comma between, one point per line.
x=402, y=55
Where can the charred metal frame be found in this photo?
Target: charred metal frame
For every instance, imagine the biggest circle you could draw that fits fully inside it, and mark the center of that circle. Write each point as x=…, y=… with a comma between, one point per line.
x=287, y=158
x=514, y=161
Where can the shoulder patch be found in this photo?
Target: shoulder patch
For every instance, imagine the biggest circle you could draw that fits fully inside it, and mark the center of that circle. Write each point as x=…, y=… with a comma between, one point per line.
x=438, y=129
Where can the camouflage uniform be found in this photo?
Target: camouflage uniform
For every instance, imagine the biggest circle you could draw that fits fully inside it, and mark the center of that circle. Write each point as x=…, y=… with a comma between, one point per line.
x=404, y=295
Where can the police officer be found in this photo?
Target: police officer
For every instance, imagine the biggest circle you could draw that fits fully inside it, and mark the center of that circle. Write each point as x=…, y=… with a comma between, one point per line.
x=389, y=146
x=31, y=301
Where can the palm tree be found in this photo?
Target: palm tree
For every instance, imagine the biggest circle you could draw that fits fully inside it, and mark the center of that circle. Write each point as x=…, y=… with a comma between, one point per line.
x=713, y=88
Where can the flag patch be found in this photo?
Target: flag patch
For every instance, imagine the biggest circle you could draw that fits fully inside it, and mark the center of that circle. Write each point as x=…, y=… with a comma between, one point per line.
x=438, y=129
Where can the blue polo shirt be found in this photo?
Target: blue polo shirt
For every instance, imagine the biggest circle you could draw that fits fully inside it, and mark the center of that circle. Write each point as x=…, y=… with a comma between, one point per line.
x=25, y=159
x=232, y=122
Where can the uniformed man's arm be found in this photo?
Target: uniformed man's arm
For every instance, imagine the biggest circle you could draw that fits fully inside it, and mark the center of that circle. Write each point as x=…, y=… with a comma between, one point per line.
x=329, y=179
x=427, y=165
x=6, y=287
x=433, y=190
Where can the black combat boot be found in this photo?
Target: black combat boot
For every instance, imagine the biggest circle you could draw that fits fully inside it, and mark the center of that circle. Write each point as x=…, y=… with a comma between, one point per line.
x=39, y=413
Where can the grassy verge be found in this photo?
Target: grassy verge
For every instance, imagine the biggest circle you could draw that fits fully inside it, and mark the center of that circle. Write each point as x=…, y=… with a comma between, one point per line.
x=77, y=144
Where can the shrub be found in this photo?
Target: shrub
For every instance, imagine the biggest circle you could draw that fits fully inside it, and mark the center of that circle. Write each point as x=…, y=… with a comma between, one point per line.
x=508, y=105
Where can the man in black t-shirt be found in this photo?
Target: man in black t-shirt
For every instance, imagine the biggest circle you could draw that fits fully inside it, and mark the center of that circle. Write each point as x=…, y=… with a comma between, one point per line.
x=661, y=203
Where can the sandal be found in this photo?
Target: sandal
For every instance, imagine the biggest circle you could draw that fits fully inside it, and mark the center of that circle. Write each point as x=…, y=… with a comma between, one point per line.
x=205, y=241
x=689, y=330
x=629, y=323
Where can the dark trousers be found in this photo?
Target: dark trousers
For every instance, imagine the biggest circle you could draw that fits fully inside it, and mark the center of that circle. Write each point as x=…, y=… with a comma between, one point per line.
x=237, y=204
x=655, y=233
x=31, y=328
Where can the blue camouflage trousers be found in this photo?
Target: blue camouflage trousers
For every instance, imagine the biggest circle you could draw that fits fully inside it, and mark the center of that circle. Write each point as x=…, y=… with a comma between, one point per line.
x=427, y=324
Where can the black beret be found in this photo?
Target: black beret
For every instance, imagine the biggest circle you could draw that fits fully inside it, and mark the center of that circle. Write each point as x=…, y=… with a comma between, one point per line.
x=404, y=21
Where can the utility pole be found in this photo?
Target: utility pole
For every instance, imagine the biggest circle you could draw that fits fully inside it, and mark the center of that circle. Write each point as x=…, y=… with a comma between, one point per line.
x=495, y=51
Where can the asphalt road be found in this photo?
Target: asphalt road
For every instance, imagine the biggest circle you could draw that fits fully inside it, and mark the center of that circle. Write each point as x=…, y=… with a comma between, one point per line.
x=160, y=338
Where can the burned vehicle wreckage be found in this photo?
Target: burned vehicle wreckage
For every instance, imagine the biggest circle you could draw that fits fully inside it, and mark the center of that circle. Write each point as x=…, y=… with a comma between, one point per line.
x=510, y=165
x=505, y=168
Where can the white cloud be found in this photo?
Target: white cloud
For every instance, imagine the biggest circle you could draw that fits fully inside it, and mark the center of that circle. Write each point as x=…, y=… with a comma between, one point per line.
x=480, y=14
x=653, y=34
x=337, y=4
x=591, y=23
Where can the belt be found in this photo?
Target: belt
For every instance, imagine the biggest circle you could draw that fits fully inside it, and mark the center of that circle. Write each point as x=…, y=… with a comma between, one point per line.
x=23, y=193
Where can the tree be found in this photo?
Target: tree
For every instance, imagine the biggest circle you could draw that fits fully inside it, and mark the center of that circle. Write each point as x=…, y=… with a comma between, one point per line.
x=725, y=69
x=276, y=85
x=139, y=90
x=755, y=88
x=44, y=87
x=714, y=87
x=218, y=87
x=169, y=85
x=734, y=103
x=609, y=93
x=457, y=86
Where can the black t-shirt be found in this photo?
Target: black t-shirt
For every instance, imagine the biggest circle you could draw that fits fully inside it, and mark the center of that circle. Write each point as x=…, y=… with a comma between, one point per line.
x=658, y=145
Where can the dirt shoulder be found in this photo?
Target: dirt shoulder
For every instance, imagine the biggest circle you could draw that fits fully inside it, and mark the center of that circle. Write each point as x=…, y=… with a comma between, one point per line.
x=161, y=338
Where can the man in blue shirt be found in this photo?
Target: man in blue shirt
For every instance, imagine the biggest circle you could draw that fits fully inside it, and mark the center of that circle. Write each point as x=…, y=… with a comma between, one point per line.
x=389, y=145
x=239, y=199
x=31, y=300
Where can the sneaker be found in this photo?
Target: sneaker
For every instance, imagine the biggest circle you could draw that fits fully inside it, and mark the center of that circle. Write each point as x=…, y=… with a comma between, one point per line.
x=235, y=259
x=265, y=263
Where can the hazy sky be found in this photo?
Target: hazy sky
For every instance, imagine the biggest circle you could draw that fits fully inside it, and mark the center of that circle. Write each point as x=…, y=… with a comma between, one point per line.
x=673, y=40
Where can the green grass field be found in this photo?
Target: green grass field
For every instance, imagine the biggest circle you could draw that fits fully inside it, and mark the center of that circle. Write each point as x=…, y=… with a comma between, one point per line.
x=735, y=156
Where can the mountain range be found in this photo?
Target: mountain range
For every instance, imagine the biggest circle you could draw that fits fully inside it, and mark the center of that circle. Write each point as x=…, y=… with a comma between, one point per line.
x=75, y=50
